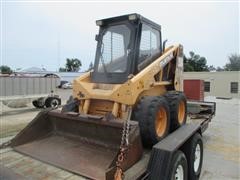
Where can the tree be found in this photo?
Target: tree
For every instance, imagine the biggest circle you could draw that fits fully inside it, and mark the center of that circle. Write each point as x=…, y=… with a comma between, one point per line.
x=61, y=69
x=195, y=63
x=211, y=68
x=233, y=64
x=72, y=65
x=5, y=69
x=219, y=69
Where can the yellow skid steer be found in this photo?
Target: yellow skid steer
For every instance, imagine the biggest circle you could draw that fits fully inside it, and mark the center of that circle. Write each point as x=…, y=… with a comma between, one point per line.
x=130, y=101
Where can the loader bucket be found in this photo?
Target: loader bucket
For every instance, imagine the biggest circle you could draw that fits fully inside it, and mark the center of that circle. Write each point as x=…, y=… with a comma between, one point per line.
x=82, y=144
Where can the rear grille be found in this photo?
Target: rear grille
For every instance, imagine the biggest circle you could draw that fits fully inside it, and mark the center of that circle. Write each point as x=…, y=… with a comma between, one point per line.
x=100, y=107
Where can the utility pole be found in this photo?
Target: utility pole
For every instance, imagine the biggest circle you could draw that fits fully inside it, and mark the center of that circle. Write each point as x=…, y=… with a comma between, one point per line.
x=58, y=53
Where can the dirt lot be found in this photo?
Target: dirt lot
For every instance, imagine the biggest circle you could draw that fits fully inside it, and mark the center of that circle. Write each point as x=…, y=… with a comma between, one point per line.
x=222, y=143
x=14, y=119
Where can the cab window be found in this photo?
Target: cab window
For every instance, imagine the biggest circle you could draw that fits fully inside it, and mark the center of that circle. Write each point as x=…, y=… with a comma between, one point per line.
x=149, y=45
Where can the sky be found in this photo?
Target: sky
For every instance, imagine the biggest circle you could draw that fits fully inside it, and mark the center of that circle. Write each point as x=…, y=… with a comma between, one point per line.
x=44, y=34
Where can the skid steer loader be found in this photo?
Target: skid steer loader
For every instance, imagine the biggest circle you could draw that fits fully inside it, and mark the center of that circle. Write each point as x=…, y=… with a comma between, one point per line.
x=131, y=100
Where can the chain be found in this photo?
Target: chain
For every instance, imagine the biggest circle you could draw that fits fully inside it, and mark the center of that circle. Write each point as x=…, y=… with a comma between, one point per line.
x=119, y=175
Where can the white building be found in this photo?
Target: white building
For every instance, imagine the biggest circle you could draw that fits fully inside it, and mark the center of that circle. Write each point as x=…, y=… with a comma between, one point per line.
x=220, y=84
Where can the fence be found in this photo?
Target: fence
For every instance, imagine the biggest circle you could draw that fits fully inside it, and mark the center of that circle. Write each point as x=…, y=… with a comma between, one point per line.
x=24, y=86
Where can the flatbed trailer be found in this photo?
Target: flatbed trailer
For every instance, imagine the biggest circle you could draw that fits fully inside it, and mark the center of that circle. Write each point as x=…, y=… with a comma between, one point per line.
x=14, y=165
x=154, y=164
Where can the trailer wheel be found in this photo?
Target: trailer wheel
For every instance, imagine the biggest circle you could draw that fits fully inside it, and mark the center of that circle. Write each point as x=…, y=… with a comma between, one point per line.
x=39, y=103
x=153, y=116
x=35, y=104
x=178, y=108
x=52, y=102
x=194, y=151
x=178, y=168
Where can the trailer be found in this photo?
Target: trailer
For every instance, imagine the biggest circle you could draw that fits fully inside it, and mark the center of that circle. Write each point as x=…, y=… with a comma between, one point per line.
x=17, y=91
x=163, y=161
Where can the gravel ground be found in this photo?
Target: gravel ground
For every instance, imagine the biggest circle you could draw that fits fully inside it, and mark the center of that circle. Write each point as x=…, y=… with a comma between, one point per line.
x=221, y=140
x=13, y=120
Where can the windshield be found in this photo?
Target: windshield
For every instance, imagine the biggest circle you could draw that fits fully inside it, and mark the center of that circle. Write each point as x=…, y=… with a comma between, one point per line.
x=114, y=49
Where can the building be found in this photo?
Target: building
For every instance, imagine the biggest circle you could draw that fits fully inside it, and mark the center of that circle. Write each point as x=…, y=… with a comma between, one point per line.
x=223, y=84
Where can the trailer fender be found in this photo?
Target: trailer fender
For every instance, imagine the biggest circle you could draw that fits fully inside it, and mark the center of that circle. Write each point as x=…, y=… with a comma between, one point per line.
x=162, y=153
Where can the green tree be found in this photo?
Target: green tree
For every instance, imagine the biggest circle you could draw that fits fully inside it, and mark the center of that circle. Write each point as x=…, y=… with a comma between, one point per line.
x=187, y=66
x=72, y=65
x=195, y=63
x=61, y=69
x=211, y=68
x=5, y=69
x=233, y=64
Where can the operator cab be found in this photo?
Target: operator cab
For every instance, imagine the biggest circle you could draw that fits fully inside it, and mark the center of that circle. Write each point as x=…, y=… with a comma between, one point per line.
x=126, y=45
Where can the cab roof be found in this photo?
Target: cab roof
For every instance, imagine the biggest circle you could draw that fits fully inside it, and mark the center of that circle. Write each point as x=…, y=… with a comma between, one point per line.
x=128, y=17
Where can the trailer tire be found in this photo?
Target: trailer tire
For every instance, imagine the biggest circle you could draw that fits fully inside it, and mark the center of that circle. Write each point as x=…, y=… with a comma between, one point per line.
x=52, y=102
x=178, y=108
x=39, y=103
x=35, y=104
x=194, y=152
x=152, y=114
x=178, y=167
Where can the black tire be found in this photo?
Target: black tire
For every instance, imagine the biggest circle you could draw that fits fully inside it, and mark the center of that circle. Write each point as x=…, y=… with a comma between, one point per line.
x=146, y=113
x=71, y=105
x=178, y=163
x=39, y=103
x=190, y=150
x=35, y=104
x=52, y=102
x=178, y=108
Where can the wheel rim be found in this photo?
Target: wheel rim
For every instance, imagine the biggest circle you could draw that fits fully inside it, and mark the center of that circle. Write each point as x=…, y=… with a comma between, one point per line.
x=179, y=174
x=197, y=158
x=54, y=103
x=161, y=122
x=181, y=112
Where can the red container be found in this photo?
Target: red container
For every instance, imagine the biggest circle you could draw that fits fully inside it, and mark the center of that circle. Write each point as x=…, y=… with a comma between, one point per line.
x=194, y=89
